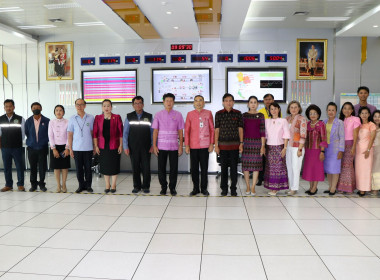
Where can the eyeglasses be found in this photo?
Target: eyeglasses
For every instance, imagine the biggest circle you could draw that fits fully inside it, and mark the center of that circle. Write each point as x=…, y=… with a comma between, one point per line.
x=79, y=105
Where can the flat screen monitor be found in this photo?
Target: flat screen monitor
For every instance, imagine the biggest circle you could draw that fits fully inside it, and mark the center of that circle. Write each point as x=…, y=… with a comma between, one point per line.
x=244, y=82
x=119, y=86
x=184, y=83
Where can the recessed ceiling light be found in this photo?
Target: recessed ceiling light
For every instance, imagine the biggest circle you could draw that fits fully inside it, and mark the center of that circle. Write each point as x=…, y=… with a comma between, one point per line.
x=168, y=12
x=36, y=26
x=163, y=3
x=327, y=18
x=265, y=19
x=176, y=27
x=94, y=23
x=11, y=9
x=375, y=26
x=62, y=6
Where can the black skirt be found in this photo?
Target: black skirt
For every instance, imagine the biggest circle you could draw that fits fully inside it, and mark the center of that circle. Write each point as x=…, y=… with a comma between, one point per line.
x=109, y=161
x=59, y=163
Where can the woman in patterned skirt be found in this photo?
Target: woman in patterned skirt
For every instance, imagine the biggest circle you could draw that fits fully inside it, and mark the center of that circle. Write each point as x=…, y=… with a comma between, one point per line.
x=254, y=143
x=376, y=155
x=277, y=134
x=346, y=182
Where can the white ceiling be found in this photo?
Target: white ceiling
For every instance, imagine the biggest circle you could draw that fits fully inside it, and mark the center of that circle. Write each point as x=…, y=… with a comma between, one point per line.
x=361, y=16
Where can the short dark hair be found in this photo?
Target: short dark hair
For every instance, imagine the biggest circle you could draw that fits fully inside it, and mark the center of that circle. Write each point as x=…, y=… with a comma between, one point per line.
x=332, y=104
x=35, y=103
x=315, y=108
x=291, y=103
x=376, y=112
x=252, y=97
x=369, y=112
x=275, y=104
x=363, y=87
x=80, y=99
x=198, y=95
x=107, y=100
x=168, y=95
x=59, y=106
x=137, y=97
x=9, y=101
x=228, y=95
x=341, y=115
x=267, y=95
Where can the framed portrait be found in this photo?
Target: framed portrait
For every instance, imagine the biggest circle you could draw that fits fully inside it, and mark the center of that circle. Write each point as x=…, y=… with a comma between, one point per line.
x=59, y=61
x=311, y=59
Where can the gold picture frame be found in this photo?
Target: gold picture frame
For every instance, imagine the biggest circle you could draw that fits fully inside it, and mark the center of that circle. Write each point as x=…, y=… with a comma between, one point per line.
x=59, y=61
x=311, y=59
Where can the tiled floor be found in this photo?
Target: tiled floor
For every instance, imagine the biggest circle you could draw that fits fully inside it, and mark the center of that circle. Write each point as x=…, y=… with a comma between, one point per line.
x=71, y=236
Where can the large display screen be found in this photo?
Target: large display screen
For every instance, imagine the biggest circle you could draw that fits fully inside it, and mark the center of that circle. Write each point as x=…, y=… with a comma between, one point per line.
x=184, y=83
x=117, y=85
x=244, y=82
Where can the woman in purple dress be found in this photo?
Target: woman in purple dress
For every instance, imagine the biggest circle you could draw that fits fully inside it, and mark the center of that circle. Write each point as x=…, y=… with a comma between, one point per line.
x=254, y=143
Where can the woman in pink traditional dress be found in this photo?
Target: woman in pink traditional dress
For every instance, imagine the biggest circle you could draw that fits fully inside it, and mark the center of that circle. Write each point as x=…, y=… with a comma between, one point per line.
x=346, y=182
x=364, y=151
x=315, y=145
x=376, y=155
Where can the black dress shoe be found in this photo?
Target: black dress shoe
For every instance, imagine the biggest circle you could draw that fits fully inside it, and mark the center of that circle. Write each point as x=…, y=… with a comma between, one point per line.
x=146, y=190
x=107, y=190
x=259, y=183
x=332, y=193
x=327, y=191
x=307, y=192
x=224, y=193
x=136, y=190
x=90, y=190
x=361, y=194
x=173, y=192
x=313, y=193
x=44, y=189
x=233, y=193
x=205, y=192
x=163, y=192
x=113, y=190
x=194, y=192
x=33, y=189
x=79, y=190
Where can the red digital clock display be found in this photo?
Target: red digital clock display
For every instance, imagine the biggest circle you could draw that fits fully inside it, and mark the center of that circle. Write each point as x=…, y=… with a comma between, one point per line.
x=109, y=60
x=155, y=59
x=132, y=60
x=84, y=61
x=276, y=57
x=181, y=47
x=201, y=58
x=248, y=58
x=178, y=58
x=225, y=58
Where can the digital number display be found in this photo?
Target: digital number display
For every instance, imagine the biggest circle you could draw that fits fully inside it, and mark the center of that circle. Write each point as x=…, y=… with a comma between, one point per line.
x=201, y=58
x=181, y=47
x=178, y=58
x=248, y=58
x=85, y=61
x=225, y=58
x=132, y=60
x=155, y=59
x=276, y=57
x=109, y=60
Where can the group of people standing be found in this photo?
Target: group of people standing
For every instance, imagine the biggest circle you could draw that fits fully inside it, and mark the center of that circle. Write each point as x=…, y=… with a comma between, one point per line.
x=272, y=149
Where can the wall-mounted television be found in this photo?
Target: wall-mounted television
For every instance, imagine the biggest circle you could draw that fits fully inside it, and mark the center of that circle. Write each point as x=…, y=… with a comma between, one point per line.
x=120, y=86
x=184, y=83
x=244, y=82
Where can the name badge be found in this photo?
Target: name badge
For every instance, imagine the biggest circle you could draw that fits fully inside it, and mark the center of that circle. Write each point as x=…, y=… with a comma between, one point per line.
x=200, y=124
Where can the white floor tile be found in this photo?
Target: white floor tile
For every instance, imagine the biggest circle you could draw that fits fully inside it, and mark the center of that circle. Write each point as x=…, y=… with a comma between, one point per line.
x=116, y=199
x=105, y=210
x=11, y=255
x=231, y=267
x=23, y=276
x=339, y=245
x=263, y=201
x=50, y=220
x=168, y=225
x=303, y=213
x=372, y=243
x=27, y=236
x=32, y=206
x=220, y=226
x=189, y=201
x=295, y=268
x=324, y=227
x=336, y=202
x=348, y=214
x=53, y=197
x=275, y=227
x=225, y=201
x=303, y=202
x=133, y=224
x=184, y=212
x=73, y=239
x=15, y=218
x=190, y=244
x=233, y=245
x=128, y=242
x=284, y=245
x=168, y=267
x=6, y=204
x=235, y=213
x=363, y=227
x=268, y=213
x=353, y=268
x=142, y=211
x=374, y=211
x=151, y=200
x=109, y=265
x=68, y=208
x=15, y=195
x=92, y=223
x=5, y=229
x=50, y=261
x=367, y=202
x=83, y=198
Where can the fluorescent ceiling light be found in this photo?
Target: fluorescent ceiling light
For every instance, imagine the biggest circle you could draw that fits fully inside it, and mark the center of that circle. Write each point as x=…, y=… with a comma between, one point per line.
x=375, y=26
x=18, y=34
x=265, y=19
x=62, y=6
x=327, y=18
x=36, y=26
x=168, y=12
x=176, y=27
x=94, y=23
x=11, y=9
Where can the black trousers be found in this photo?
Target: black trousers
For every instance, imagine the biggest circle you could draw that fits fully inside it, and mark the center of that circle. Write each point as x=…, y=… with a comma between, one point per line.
x=229, y=158
x=261, y=173
x=199, y=157
x=140, y=160
x=173, y=162
x=37, y=160
x=83, y=161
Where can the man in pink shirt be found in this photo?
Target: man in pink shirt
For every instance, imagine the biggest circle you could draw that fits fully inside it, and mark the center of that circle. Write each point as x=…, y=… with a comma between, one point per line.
x=168, y=127
x=199, y=141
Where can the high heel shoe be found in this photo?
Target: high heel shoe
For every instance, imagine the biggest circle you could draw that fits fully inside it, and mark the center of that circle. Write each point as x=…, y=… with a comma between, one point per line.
x=113, y=190
x=332, y=193
x=313, y=193
x=107, y=190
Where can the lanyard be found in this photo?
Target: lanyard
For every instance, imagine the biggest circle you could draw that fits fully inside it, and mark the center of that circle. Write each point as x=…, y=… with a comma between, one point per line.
x=84, y=123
